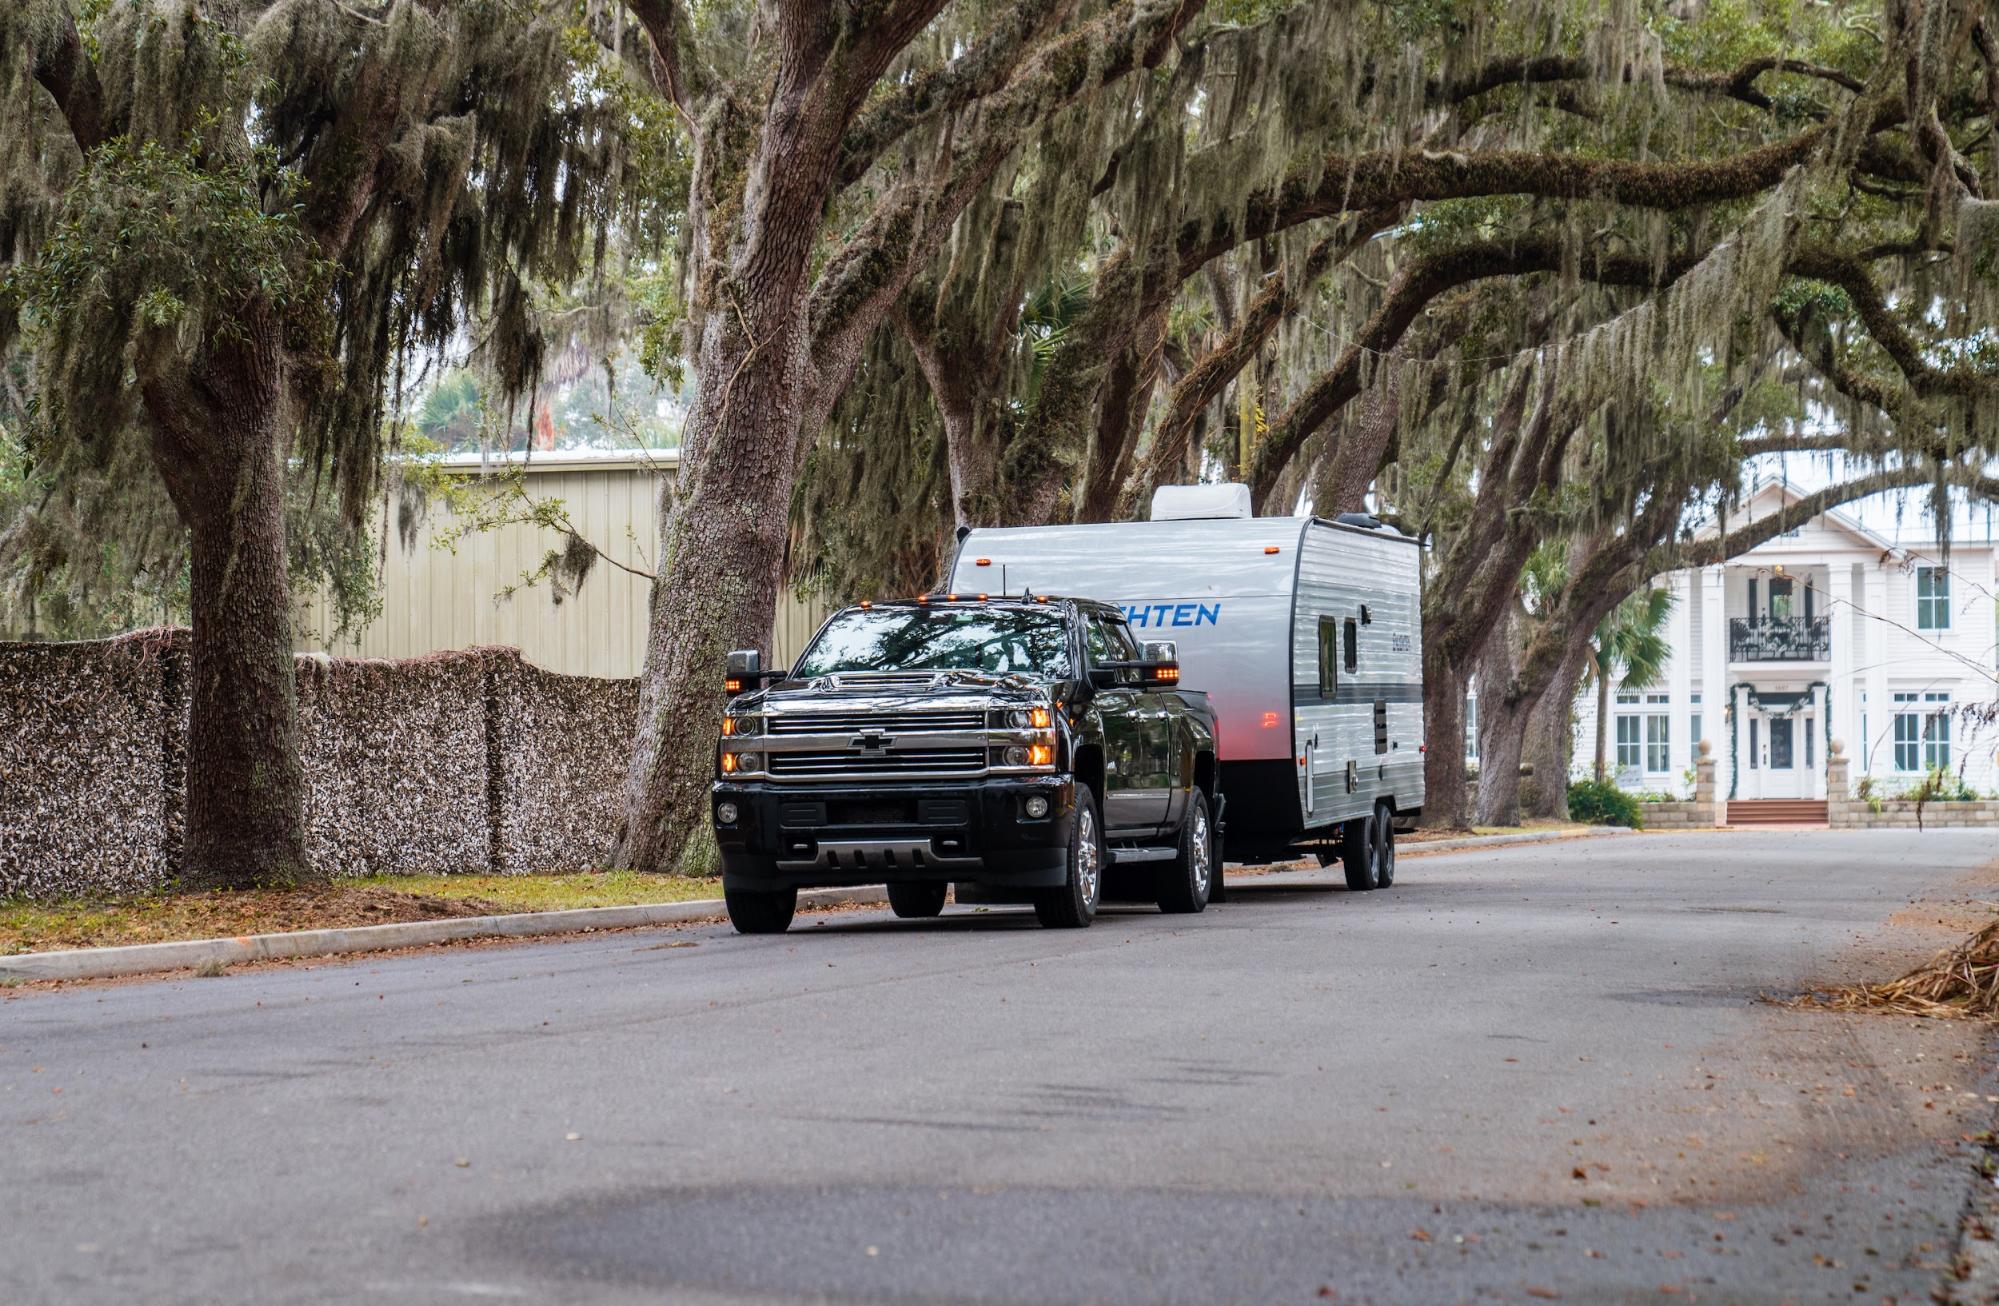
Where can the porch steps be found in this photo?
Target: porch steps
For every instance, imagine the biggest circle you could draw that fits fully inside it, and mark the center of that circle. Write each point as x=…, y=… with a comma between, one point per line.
x=1777, y=811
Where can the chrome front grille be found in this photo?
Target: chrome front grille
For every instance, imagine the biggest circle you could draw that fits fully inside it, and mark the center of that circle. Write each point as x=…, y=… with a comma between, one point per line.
x=833, y=723
x=936, y=761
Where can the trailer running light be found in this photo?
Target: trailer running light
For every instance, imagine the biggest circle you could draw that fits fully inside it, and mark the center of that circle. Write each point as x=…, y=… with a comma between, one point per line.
x=982, y=562
x=1271, y=548
x=1301, y=759
x=1270, y=721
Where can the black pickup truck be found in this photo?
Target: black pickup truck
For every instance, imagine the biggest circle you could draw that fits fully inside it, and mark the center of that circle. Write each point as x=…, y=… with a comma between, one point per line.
x=1024, y=749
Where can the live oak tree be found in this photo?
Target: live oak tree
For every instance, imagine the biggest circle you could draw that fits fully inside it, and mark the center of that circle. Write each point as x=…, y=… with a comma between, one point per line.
x=226, y=226
x=835, y=146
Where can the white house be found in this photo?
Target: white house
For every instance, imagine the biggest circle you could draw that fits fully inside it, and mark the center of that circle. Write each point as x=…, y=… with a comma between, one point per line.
x=1827, y=632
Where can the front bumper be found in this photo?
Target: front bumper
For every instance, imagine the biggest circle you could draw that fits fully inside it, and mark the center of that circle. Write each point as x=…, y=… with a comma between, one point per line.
x=809, y=835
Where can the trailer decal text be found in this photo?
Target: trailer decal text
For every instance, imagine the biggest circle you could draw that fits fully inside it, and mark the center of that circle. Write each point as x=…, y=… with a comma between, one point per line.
x=1157, y=616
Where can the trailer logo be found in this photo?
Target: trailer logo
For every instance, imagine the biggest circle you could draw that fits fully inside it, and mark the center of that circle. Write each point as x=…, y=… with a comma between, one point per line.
x=1159, y=616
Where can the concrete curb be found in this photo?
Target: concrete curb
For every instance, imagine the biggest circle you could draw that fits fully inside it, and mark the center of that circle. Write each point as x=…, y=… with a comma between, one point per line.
x=143, y=958
x=1501, y=840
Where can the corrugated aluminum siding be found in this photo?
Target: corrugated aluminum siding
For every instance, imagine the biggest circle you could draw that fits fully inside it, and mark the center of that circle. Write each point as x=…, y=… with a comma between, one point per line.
x=436, y=599
x=1339, y=570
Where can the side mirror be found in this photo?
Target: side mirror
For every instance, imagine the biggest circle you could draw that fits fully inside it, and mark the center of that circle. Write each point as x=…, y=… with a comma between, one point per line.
x=744, y=670
x=1162, y=665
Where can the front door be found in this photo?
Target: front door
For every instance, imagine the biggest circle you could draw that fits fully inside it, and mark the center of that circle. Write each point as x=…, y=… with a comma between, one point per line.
x=1783, y=777
x=1133, y=796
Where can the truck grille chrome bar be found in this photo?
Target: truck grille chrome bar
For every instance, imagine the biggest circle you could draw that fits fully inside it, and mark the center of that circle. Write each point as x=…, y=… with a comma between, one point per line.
x=943, y=761
x=810, y=723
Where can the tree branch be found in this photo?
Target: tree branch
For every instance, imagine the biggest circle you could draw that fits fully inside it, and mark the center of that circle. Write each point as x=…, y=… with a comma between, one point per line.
x=679, y=71
x=937, y=92
x=64, y=70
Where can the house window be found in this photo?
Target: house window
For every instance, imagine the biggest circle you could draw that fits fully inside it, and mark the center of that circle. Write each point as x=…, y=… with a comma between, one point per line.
x=1936, y=731
x=1329, y=652
x=1694, y=731
x=1630, y=754
x=1755, y=743
x=1658, y=735
x=1932, y=598
x=1625, y=696
x=1908, y=733
x=1352, y=632
x=1471, y=727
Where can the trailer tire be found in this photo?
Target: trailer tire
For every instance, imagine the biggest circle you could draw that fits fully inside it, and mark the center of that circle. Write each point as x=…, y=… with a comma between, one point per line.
x=1074, y=904
x=1384, y=848
x=917, y=900
x=761, y=911
x=1360, y=854
x=1186, y=882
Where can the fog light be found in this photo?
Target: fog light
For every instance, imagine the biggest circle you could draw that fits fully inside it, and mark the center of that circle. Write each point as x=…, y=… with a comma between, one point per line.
x=1037, y=807
x=726, y=813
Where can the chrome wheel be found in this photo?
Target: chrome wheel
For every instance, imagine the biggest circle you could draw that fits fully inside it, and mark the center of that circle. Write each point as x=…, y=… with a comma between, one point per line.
x=1089, y=857
x=1199, y=852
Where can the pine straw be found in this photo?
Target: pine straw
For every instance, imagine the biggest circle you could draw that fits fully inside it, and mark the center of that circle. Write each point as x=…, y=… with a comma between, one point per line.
x=1960, y=983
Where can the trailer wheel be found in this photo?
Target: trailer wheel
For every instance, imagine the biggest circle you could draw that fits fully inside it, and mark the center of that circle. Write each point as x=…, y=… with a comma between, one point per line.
x=1384, y=848
x=761, y=911
x=1074, y=905
x=1361, y=854
x=914, y=901
x=1186, y=882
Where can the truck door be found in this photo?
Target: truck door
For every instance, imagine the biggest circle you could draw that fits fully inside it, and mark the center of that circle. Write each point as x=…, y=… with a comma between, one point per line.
x=1133, y=793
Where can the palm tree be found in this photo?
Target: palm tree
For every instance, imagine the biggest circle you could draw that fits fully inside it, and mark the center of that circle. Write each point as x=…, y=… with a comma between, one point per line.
x=1631, y=644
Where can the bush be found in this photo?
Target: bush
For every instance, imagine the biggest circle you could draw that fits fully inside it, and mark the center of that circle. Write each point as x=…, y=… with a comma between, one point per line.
x=1599, y=802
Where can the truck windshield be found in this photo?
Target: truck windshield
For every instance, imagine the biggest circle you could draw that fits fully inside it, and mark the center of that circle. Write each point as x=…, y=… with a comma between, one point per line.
x=998, y=640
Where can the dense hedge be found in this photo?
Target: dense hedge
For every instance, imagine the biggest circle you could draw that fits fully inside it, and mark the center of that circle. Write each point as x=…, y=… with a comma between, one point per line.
x=1600, y=802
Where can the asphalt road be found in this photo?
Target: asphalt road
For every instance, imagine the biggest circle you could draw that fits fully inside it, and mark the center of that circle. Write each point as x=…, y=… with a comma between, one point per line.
x=1522, y=1072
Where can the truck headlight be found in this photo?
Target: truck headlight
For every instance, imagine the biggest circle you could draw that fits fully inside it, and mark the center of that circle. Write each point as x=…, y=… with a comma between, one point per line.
x=1023, y=718
x=748, y=725
x=739, y=763
x=726, y=813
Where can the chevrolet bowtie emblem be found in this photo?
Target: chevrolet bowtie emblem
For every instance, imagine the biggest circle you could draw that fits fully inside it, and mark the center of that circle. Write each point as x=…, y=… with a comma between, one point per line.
x=872, y=743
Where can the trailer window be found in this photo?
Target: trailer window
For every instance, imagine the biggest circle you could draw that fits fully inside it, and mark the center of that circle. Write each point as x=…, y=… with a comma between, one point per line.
x=1329, y=655
x=1352, y=645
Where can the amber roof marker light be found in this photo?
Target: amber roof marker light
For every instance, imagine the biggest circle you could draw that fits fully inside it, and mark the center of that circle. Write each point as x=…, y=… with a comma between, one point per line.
x=1271, y=548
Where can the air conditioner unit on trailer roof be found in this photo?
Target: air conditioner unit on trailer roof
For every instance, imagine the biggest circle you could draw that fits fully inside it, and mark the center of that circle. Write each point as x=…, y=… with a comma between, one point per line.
x=1192, y=502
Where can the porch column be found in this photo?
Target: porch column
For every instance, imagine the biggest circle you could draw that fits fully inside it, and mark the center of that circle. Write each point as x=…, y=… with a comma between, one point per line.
x=1873, y=648
x=1820, y=701
x=1843, y=701
x=1714, y=675
x=1680, y=750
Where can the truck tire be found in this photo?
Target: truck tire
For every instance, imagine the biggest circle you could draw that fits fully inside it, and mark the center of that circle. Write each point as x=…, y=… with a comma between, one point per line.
x=1074, y=905
x=1186, y=881
x=916, y=901
x=761, y=911
x=1384, y=845
x=1361, y=854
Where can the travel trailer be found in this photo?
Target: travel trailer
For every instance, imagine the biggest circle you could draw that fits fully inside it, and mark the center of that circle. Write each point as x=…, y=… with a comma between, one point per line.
x=1305, y=633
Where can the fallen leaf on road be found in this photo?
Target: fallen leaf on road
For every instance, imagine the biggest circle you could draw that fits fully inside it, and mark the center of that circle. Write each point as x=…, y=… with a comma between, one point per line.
x=1421, y=1235
x=1546, y=1294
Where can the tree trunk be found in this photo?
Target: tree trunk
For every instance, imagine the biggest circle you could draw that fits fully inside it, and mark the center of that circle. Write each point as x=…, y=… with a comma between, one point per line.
x=1502, y=721
x=1444, y=777
x=1602, y=723
x=1550, y=742
x=721, y=562
x=215, y=442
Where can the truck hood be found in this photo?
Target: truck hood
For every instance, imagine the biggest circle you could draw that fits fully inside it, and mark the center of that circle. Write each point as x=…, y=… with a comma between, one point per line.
x=872, y=691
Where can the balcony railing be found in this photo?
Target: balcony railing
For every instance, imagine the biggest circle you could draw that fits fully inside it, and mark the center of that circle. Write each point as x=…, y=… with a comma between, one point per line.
x=1779, y=639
